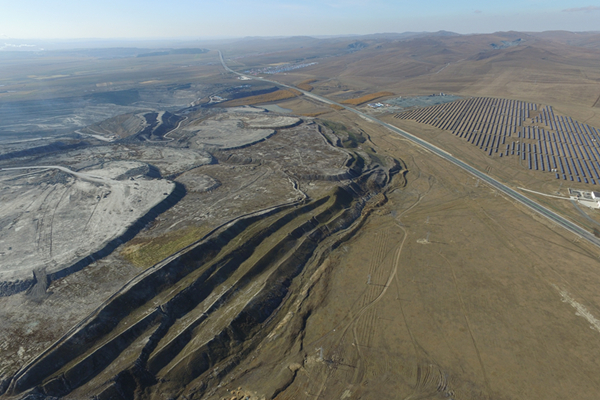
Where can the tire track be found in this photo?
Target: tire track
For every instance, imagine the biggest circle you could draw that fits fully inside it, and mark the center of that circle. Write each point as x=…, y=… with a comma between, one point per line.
x=67, y=189
x=366, y=324
x=372, y=325
x=102, y=193
x=359, y=371
x=42, y=234
x=351, y=326
x=596, y=102
x=417, y=347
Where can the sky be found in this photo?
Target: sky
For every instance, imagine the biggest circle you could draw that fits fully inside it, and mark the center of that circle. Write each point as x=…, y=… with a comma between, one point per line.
x=71, y=19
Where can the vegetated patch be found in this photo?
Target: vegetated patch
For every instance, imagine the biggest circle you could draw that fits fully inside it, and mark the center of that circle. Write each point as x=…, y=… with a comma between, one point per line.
x=145, y=252
x=336, y=107
x=118, y=97
x=306, y=85
x=356, y=46
x=281, y=94
x=349, y=139
x=372, y=153
x=315, y=114
x=504, y=44
x=366, y=98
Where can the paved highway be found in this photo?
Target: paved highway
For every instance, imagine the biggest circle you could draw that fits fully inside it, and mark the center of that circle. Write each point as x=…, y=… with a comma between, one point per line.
x=557, y=219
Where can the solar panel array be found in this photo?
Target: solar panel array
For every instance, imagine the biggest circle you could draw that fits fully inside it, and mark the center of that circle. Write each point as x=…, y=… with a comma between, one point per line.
x=545, y=142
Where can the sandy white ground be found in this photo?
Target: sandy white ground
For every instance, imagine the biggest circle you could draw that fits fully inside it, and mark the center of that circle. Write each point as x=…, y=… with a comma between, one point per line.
x=51, y=216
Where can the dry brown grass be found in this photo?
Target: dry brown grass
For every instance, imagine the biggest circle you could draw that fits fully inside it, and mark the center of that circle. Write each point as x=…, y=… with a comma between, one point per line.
x=315, y=114
x=336, y=107
x=537, y=71
x=366, y=98
x=281, y=94
x=306, y=85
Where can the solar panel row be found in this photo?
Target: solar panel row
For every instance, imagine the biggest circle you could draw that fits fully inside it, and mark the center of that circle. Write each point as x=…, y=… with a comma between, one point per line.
x=486, y=122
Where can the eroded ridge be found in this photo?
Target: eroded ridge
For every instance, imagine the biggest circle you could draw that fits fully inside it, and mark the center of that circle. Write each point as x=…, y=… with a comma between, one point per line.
x=191, y=318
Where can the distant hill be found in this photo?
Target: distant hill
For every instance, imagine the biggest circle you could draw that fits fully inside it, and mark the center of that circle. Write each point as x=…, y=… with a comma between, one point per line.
x=581, y=39
x=558, y=68
x=172, y=51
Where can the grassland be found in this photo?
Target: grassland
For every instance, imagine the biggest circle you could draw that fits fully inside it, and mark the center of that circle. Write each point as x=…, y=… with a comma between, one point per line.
x=366, y=98
x=512, y=170
x=544, y=68
x=438, y=308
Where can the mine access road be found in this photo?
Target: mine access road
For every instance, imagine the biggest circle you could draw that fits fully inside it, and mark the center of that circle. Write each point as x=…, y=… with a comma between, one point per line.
x=552, y=216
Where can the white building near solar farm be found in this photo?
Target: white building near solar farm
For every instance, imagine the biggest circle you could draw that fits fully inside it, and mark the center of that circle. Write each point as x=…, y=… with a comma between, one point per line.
x=588, y=199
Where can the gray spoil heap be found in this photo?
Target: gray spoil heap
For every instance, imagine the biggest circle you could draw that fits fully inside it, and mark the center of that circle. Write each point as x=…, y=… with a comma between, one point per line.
x=59, y=221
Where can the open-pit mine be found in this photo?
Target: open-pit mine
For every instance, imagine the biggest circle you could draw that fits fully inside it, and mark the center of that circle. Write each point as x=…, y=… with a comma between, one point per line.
x=249, y=205
x=385, y=217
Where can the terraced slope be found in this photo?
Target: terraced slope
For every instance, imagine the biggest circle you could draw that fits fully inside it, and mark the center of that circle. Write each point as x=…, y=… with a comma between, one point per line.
x=197, y=314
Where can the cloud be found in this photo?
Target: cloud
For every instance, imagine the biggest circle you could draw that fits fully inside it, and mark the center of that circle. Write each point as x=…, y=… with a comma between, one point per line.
x=18, y=45
x=15, y=46
x=583, y=9
x=477, y=11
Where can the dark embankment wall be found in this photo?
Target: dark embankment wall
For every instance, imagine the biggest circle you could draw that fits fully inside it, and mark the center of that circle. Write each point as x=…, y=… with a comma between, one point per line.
x=245, y=331
x=50, y=148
